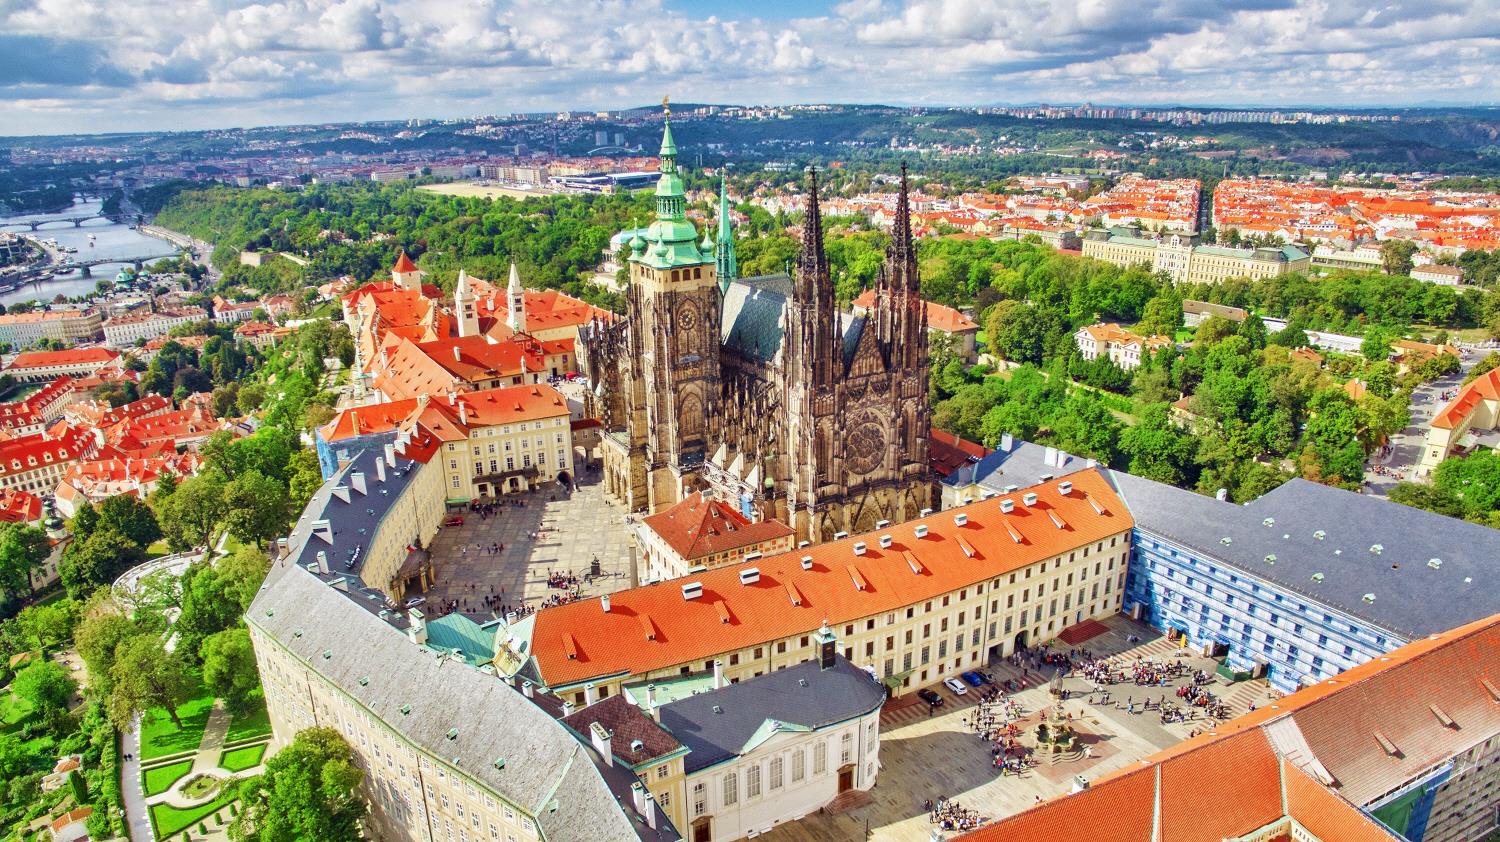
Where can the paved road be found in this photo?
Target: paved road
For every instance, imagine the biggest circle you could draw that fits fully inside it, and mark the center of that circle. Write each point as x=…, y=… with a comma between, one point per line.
x=1407, y=446
x=137, y=820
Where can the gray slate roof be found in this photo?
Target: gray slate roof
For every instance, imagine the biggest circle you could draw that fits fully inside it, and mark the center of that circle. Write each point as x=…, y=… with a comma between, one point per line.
x=828, y=697
x=1412, y=598
x=751, y=318
x=1023, y=465
x=309, y=616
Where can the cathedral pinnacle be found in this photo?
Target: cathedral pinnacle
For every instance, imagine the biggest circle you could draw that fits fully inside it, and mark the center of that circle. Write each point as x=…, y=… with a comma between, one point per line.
x=727, y=264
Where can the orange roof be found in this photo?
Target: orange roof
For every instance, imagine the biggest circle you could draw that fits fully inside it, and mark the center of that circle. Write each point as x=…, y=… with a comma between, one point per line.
x=939, y=316
x=59, y=444
x=66, y=819
x=364, y=420
x=691, y=630
x=698, y=527
x=19, y=506
x=1485, y=387
x=947, y=452
x=403, y=263
x=71, y=356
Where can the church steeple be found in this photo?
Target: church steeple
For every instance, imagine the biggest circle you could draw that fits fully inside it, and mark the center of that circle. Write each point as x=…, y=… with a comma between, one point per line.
x=902, y=254
x=728, y=264
x=671, y=240
x=817, y=334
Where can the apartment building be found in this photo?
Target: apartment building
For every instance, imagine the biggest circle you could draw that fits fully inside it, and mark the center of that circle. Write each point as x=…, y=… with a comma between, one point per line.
x=125, y=331
x=46, y=366
x=702, y=532
x=1123, y=348
x=1304, y=582
x=1456, y=427
x=22, y=330
x=493, y=441
x=914, y=602
x=36, y=463
x=33, y=413
x=1185, y=260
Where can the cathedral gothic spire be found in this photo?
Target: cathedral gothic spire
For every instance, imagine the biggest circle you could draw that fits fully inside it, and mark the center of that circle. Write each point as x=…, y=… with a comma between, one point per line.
x=727, y=265
x=819, y=335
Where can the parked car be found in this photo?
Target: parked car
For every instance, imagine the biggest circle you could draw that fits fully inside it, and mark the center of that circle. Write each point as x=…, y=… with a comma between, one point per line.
x=974, y=678
x=930, y=697
x=415, y=601
x=956, y=686
x=456, y=520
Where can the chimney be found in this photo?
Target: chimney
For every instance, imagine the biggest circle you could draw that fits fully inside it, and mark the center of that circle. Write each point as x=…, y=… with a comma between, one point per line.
x=527, y=689
x=380, y=470
x=600, y=738
x=455, y=354
x=651, y=811
x=1221, y=495
x=1029, y=499
x=417, y=630
x=281, y=548
x=718, y=674
x=357, y=479
x=390, y=454
x=1005, y=442
x=323, y=529
x=1065, y=488
x=463, y=413
x=567, y=708
x=322, y=562
x=510, y=618
x=1007, y=506
x=588, y=694
x=961, y=519
x=604, y=602
x=651, y=698
x=638, y=798
x=1049, y=456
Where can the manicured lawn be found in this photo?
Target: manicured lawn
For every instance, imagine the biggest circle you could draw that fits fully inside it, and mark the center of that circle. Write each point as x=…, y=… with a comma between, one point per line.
x=252, y=723
x=157, y=550
x=161, y=778
x=170, y=821
x=159, y=737
x=13, y=711
x=240, y=759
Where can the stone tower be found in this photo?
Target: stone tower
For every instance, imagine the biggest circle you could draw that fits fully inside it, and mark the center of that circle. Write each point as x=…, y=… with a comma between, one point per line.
x=675, y=338
x=515, y=301
x=405, y=273
x=466, y=306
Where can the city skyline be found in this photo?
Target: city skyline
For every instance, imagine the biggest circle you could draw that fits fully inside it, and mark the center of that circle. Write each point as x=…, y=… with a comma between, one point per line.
x=87, y=66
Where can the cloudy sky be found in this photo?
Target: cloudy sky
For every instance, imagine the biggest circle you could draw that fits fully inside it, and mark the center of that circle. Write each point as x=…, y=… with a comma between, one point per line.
x=108, y=65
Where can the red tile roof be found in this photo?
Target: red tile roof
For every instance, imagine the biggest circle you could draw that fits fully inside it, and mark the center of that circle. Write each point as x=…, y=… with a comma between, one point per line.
x=19, y=506
x=627, y=723
x=71, y=356
x=404, y=264
x=60, y=444
x=939, y=316
x=697, y=527
x=947, y=452
x=950, y=557
x=1485, y=387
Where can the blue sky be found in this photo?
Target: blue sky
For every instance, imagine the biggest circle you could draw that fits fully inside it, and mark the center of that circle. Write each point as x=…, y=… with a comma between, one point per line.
x=104, y=65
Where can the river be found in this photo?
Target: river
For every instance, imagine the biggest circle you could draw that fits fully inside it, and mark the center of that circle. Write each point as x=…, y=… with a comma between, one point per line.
x=110, y=239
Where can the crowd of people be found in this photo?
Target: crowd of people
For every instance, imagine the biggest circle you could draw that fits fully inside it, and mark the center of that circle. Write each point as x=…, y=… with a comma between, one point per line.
x=951, y=815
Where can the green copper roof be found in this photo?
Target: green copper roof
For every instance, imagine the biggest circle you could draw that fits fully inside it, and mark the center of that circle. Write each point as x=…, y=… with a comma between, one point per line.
x=672, y=240
x=668, y=146
x=727, y=264
x=456, y=632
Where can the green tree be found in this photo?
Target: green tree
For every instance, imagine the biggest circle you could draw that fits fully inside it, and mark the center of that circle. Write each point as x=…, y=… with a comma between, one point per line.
x=98, y=637
x=98, y=561
x=1157, y=449
x=45, y=685
x=1163, y=315
x=79, y=786
x=304, y=477
x=48, y=625
x=146, y=676
x=229, y=667
x=310, y=790
x=1395, y=256
x=1490, y=362
x=127, y=515
x=194, y=511
x=1376, y=345
x=85, y=521
x=257, y=507
x=1473, y=482
x=1333, y=439
x=23, y=549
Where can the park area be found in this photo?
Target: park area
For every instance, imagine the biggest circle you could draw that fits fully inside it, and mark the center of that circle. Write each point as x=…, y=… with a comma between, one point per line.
x=188, y=770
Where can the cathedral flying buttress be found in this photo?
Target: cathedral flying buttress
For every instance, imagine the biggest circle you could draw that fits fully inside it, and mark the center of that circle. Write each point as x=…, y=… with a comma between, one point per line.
x=758, y=389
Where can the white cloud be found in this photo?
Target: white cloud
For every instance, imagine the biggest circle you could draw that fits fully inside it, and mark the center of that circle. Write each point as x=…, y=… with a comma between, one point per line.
x=222, y=62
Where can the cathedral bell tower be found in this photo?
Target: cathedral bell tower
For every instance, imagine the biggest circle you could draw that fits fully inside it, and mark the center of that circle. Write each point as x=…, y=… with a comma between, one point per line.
x=676, y=304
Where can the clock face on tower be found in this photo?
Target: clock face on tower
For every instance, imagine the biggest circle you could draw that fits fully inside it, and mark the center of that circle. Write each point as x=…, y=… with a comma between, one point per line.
x=687, y=316
x=866, y=447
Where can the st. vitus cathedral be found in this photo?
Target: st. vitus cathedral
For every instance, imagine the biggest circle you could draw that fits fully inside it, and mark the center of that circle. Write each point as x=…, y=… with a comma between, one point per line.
x=759, y=389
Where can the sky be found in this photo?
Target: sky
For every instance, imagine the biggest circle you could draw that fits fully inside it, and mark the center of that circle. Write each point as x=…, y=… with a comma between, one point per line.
x=107, y=65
